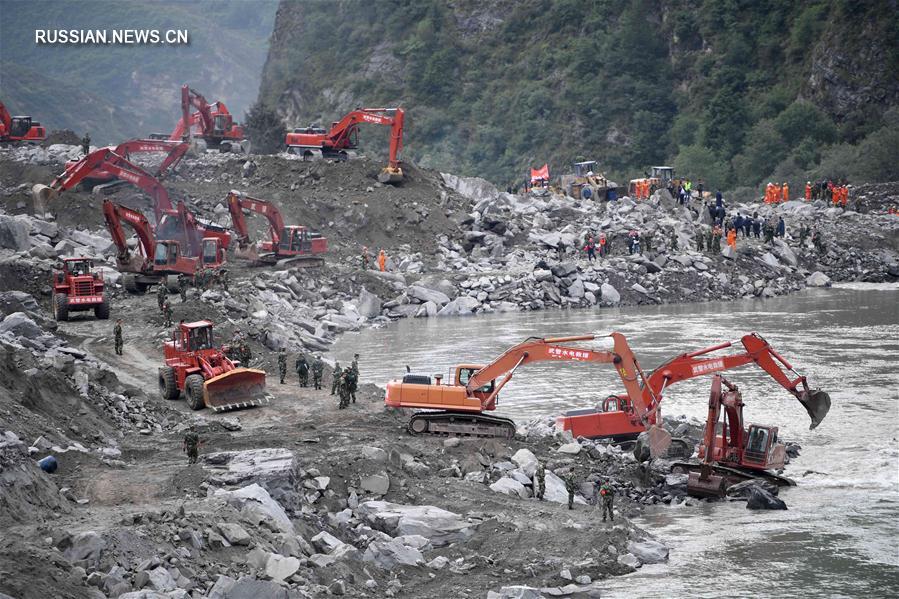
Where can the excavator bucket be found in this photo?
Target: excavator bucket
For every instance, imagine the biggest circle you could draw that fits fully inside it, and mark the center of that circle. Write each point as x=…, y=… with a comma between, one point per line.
x=391, y=175
x=659, y=441
x=817, y=404
x=706, y=484
x=42, y=194
x=236, y=389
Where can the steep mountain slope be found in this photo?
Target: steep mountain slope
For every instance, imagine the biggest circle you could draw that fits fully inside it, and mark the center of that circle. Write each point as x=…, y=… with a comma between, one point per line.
x=732, y=90
x=119, y=91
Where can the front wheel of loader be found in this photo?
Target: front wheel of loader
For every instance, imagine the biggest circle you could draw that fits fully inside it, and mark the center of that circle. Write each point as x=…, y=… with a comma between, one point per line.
x=101, y=311
x=168, y=384
x=193, y=391
x=61, y=307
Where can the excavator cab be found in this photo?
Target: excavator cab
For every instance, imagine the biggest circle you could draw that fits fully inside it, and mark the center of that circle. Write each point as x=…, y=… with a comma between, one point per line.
x=167, y=253
x=20, y=126
x=761, y=447
x=213, y=253
x=465, y=372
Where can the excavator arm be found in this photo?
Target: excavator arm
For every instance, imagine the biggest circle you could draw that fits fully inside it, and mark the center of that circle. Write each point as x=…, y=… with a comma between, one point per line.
x=550, y=349
x=5, y=120
x=175, y=151
x=757, y=350
x=238, y=201
x=340, y=135
x=115, y=215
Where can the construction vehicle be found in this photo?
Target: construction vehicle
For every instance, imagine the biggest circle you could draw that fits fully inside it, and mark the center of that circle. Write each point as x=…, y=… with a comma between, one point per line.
x=738, y=453
x=313, y=142
x=171, y=223
x=659, y=177
x=211, y=123
x=585, y=183
x=77, y=287
x=157, y=262
x=622, y=418
x=458, y=406
x=174, y=150
x=293, y=243
x=19, y=128
x=199, y=369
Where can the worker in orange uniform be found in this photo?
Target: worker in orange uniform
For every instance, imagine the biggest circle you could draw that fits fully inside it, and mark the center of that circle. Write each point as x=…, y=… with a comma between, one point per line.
x=785, y=193
x=808, y=191
x=382, y=260
x=844, y=194
x=732, y=238
x=834, y=194
x=769, y=192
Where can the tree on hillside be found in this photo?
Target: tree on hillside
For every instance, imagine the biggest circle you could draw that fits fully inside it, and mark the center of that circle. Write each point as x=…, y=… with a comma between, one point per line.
x=264, y=129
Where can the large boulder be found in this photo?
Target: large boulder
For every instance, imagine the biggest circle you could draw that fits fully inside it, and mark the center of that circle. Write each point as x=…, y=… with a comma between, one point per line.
x=275, y=469
x=511, y=487
x=648, y=551
x=247, y=587
x=14, y=233
x=17, y=301
x=256, y=504
x=760, y=499
x=461, y=306
x=279, y=567
x=818, y=279
x=86, y=546
x=390, y=554
x=556, y=490
x=609, y=294
x=526, y=460
x=20, y=325
x=784, y=252
x=440, y=526
x=369, y=304
x=427, y=295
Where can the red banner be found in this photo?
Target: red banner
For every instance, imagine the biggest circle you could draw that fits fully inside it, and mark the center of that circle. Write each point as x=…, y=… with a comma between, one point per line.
x=538, y=174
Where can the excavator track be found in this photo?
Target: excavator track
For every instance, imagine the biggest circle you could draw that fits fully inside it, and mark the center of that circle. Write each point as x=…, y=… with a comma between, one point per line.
x=461, y=424
x=735, y=474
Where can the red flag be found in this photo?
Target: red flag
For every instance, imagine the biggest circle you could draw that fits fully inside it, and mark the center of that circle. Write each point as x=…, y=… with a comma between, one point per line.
x=538, y=174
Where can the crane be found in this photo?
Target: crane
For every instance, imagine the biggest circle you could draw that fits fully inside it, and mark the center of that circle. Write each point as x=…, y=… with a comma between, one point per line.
x=19, y=128
x=607, y=421
x=171, y=222
x=156, y=259
x=314, y=142
x=458, y=407
x=213, y=123
x=295, y=242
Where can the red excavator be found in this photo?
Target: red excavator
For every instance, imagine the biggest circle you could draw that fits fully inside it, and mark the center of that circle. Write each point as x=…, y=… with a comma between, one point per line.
x=171, y=223
x=738, y=453
x=620, y=418
x=19, y=128
x=314, y=142
x=194, y=365
x=295, y=243
x=157, y=262
x=211, y=122
x=458, y=407
x=174, y=150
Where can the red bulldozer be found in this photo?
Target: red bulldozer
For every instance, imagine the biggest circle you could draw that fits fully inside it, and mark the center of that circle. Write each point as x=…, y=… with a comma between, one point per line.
x=19, y=128
x=293, y=243
x=314, y=142
x=78, y=288
x=195, y=366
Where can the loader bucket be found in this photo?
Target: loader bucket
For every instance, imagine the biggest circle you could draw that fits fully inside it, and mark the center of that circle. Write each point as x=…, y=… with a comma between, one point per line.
x=391, y=175
x=41, y=195
x=236, y=389
x=817, y=404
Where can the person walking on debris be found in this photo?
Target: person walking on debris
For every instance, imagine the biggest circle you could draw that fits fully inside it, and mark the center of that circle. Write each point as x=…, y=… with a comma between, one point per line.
x=382, y=260
x=183, y=283
x=351, y=376
x=646, y=241
x=607, y=496
x=366, y=258
x=571, y=487
x=335, y=377
x=756, y=225
x=191, y=444
x=541, y=481
x=769, y=232
x=732, y=238
x=318, y=367
x=590, y=248
x=117, y=333
x=716, y=239
x=343, y=389
x=86, y=144
x=302, y=369
x=223, y=278
x=700, y=239
x=161, y=295
x=282, y=364
x=818, y=240
x=603, y=245
x=803, y=235
x=781, y=230
x=167, y=314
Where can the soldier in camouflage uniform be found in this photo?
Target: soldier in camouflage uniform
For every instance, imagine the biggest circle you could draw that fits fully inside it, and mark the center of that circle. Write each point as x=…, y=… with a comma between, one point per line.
x=318, y=367
x=302, y=368
x=700, y=239
x=353, y=377
x=222, y=278
x=191, y=445
x=335, y=377
x=183, y=284
x=343, y=390
x=607, y=495
x=541, y=481
x=167, y=314
x=161, y=295
x=117, y=333
x=571, y=487
x=282, y=364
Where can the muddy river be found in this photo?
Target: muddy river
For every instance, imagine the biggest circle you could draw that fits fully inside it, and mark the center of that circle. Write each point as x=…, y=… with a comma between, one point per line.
x=840, y=536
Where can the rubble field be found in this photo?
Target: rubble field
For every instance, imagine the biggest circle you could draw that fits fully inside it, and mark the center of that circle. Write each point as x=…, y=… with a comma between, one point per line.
x=298, y=498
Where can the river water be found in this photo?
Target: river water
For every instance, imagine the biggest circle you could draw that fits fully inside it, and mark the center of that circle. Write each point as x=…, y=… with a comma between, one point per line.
x=840, y=536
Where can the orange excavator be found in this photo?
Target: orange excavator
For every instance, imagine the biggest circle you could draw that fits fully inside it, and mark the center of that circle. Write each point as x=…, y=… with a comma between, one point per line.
x=19, y=128
x=738, y=453
x=171, y=222
x=458, y=407
x=212, y=123
x=621, y=418
x=174, y=151
x=314, y=142
x=155, y=260
x=295, y=243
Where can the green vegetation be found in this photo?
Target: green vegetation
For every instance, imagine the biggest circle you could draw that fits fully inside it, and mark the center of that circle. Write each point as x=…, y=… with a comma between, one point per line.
x=733, y=91
x=264, y=129
x=119, y=91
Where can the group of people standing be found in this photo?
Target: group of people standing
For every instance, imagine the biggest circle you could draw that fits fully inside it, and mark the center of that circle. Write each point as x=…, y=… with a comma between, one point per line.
x=344, y=382
x=365, y=256
x=834, y=191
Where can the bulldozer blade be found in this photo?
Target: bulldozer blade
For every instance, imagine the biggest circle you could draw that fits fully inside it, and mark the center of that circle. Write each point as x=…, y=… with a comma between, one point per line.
x=236, y=389
x=41, y=195
x=389, y=175
x=711, y=485
x=817, y=404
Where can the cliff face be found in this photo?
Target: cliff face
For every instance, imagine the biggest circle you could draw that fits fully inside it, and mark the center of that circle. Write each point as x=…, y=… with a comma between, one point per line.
x=494, y=86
